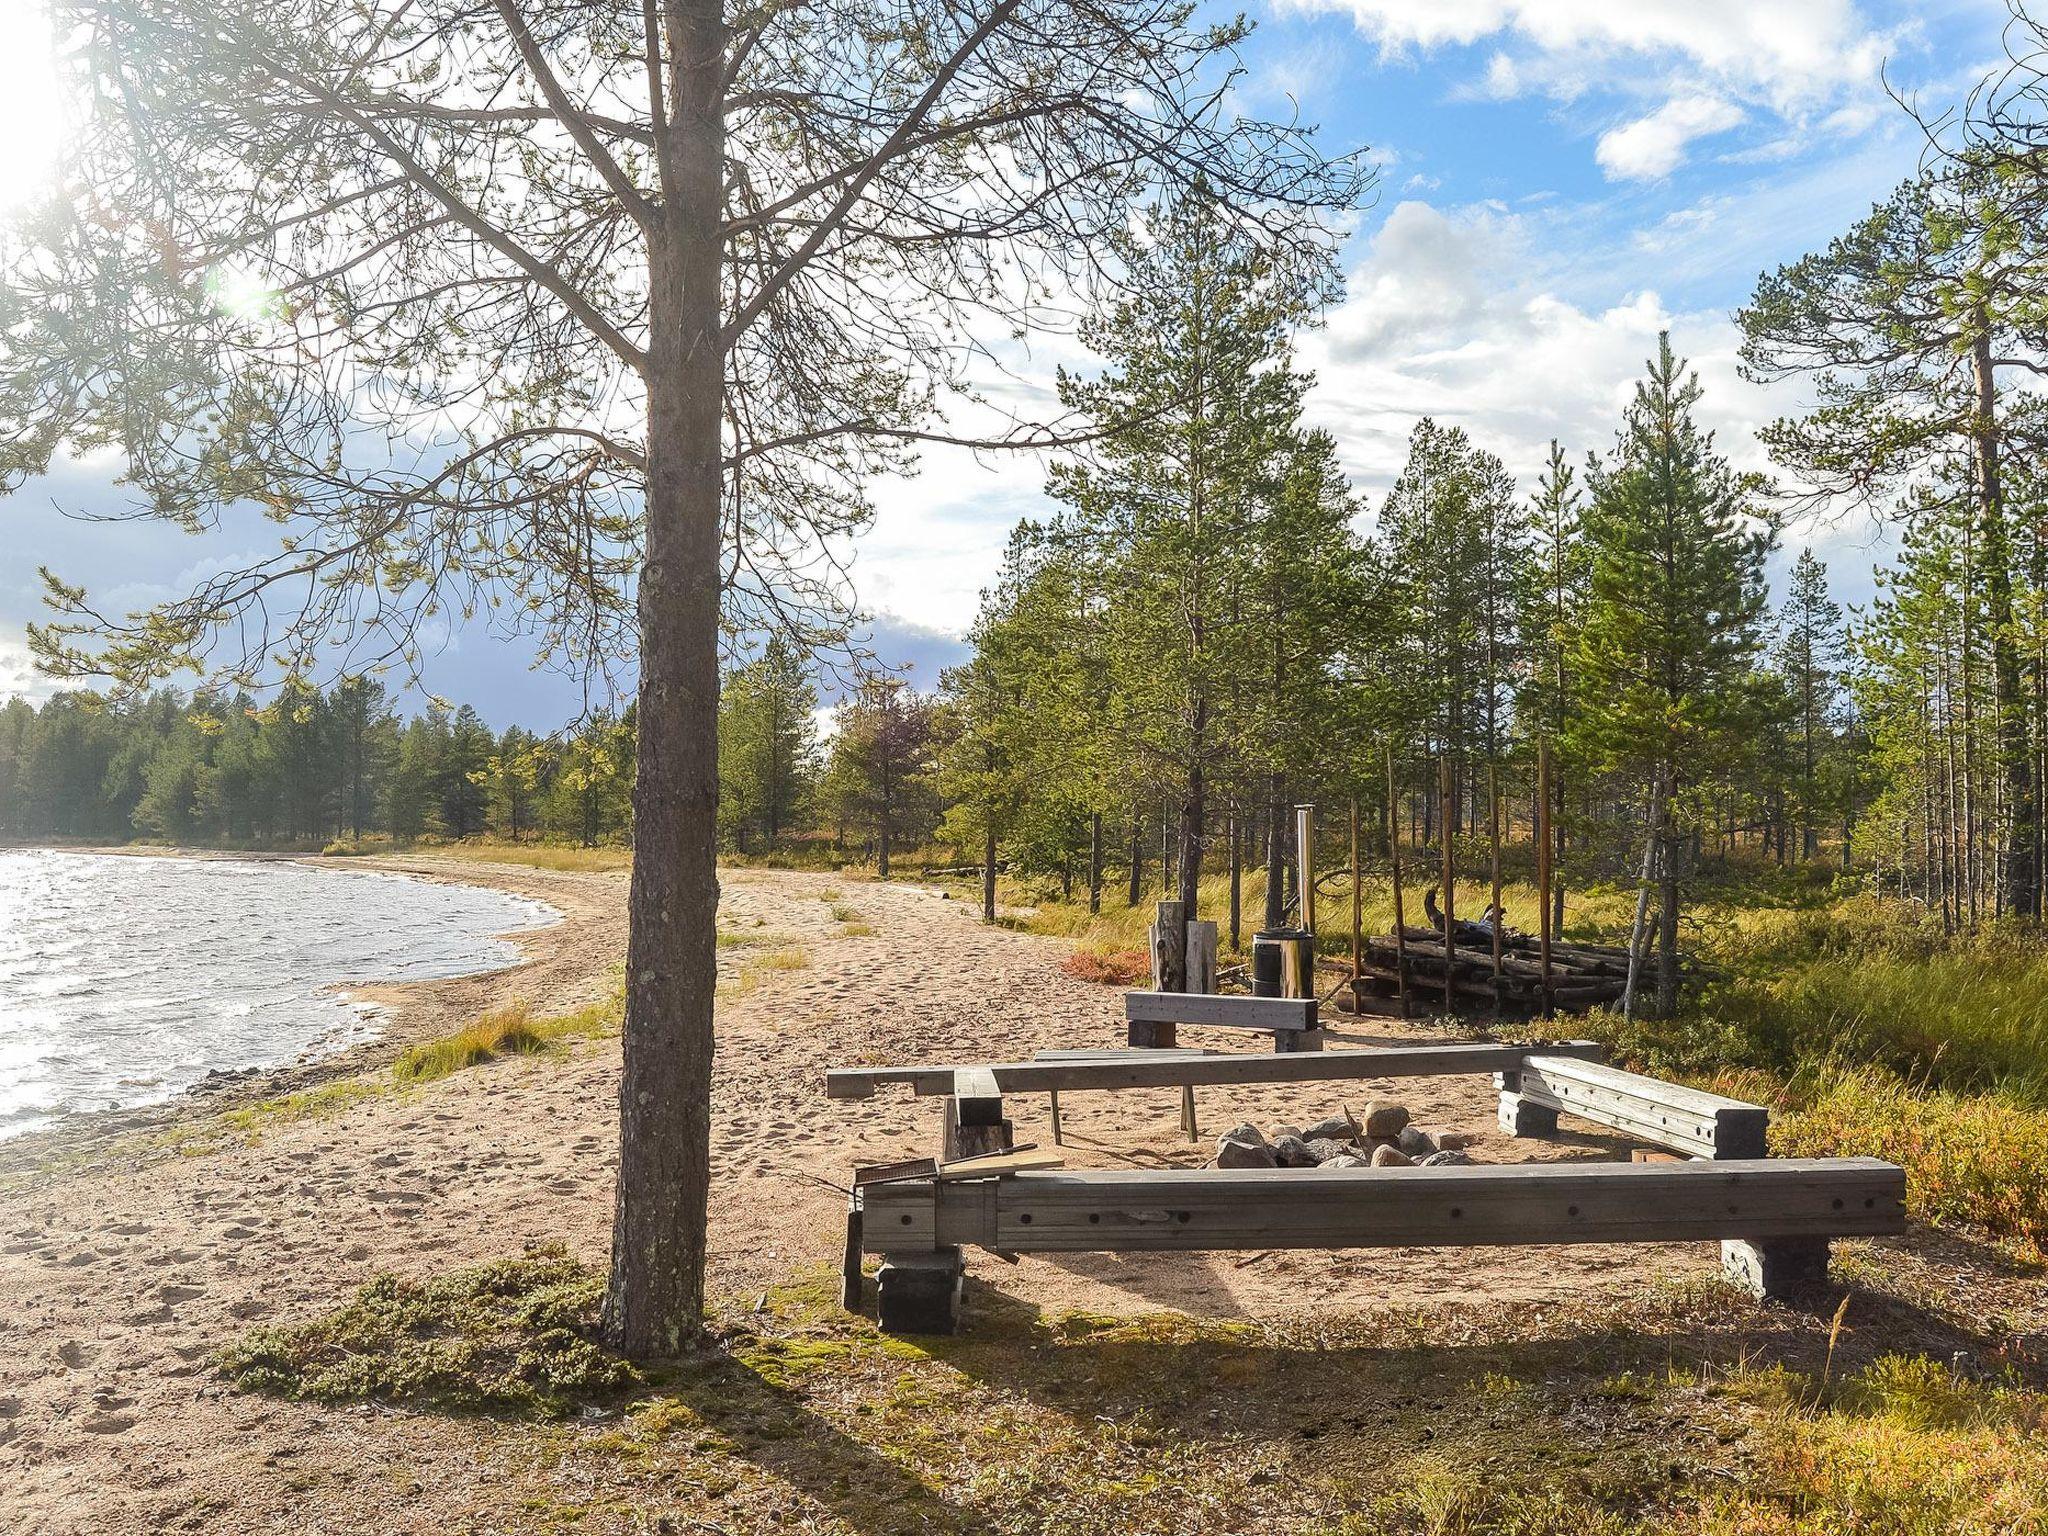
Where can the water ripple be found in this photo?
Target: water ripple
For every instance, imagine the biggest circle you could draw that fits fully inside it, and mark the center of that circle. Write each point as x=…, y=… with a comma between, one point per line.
x=124, y=981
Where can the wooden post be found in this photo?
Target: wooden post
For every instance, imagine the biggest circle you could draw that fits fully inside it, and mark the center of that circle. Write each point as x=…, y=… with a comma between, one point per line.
x=1201, y=978
x=1446, y=812
x=1199, y=961
x=1394, y=859
x=1305, y=861
x=1236, y=884
x=1357, y=907
x=1499, y=918
x=1169, y=971
x=1544, y=873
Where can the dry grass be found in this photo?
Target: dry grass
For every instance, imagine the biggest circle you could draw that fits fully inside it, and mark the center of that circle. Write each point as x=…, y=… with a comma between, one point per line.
x=509, y=1031
x=1691, y=1410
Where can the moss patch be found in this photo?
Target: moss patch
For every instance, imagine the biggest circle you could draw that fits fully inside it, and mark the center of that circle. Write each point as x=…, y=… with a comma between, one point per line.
x=517, y=1336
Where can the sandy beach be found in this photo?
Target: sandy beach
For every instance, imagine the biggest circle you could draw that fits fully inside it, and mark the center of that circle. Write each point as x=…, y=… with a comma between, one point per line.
x=131, y=1250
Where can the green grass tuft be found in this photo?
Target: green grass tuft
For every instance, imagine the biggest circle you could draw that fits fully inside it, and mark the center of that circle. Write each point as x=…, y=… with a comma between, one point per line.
x=508, y=1031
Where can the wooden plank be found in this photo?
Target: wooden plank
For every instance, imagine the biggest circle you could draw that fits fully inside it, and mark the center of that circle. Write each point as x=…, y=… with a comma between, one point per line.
x=905, y=1216
x=979, y=1096
x=1123, y=1053
x=1238, y=1012
x=1529, y=1203
x=1000, y=1163
x=1665, y=1114
x=1173, y=1069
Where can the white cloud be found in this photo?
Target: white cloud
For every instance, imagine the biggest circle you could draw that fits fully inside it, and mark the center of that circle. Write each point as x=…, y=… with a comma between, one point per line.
x=1442, y=321
x=1786, y=53
x=18, y=676
x=1655, y=145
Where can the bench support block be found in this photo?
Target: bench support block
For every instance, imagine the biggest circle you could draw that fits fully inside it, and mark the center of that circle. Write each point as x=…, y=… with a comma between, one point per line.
x=1285, y=1040
x=1522, y=1117
x=1776, y=1268
x=920, y=1292
x=1151, y=1035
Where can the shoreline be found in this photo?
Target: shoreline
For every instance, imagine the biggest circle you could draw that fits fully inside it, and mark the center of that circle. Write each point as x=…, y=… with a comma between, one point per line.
x=405, y=1012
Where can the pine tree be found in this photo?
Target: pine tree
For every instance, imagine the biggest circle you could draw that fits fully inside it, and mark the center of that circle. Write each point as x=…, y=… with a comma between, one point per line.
x=1452, y=546
x=767, y=742
x=880, y=764
x=1199, y=400
x=1553, y=607
x=1673, y=616
x=1810, y=654
x=1916, y=332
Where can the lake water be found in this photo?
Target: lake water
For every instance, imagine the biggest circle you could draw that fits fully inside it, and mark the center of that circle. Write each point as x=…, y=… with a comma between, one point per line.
x=126, y=980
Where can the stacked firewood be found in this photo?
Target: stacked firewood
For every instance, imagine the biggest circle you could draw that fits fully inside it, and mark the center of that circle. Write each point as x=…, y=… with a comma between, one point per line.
x=1581, y=976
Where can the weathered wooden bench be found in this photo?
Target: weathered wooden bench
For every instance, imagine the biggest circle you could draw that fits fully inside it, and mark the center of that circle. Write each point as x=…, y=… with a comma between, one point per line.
x=1682, y=1119
x=1052, y=1071
x=1152, y=1018
x=1774, y=1218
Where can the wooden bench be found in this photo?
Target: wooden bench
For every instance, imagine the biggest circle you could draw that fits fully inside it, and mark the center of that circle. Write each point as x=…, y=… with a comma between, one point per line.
x=1151, y=1018
x=1174, y=1068
x=1774, y=1218
x=1686, y=1120
x=1187, y=1070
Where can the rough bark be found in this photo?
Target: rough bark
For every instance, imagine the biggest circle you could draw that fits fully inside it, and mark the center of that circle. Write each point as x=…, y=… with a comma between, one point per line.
x=988, y=869
x=1276, y=854
x=1095, y=863
x=655, y=1299
x=2022, y=878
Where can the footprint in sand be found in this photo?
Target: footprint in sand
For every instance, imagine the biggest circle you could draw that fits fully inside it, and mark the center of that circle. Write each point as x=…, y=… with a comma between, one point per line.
x=172, y=1295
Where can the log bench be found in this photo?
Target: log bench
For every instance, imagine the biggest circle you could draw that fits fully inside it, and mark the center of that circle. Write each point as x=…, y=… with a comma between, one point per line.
x=1774, y=1218
x=1682, y=1119
x=1152, y=1018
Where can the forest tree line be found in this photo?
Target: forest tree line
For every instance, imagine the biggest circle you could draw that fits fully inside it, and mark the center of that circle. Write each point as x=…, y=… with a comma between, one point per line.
x=1211, y=628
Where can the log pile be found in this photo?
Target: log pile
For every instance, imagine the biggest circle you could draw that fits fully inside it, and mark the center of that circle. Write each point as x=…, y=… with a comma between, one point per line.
x=1582, y=976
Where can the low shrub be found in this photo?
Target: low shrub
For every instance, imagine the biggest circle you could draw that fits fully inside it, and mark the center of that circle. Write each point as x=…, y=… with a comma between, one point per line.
x=1969, y=1159
x=1109, y=968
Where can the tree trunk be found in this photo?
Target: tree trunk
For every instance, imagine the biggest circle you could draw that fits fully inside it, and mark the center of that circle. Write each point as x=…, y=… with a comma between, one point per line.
x=1667, y=927
x=1193, y=814
x=654, y=1302
x=1236, y=884
x=2021, y=880
x=1276, y=855
x=1095, y=863
x=988, y=869
x=1137, y=858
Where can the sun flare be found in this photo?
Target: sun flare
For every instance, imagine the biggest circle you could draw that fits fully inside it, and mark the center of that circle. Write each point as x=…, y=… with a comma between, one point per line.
x=31, y=122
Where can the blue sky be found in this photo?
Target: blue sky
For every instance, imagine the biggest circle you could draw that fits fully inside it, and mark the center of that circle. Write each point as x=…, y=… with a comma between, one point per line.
x=1559, y=180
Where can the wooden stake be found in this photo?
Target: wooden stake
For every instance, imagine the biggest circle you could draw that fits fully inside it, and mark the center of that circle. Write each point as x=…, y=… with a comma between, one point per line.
x=1545, y=875
x=1447, y=808
x=1357, y=906
x=1493, y=833
x=1305, y=860
x=1169, y=971
x=1394, y=858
